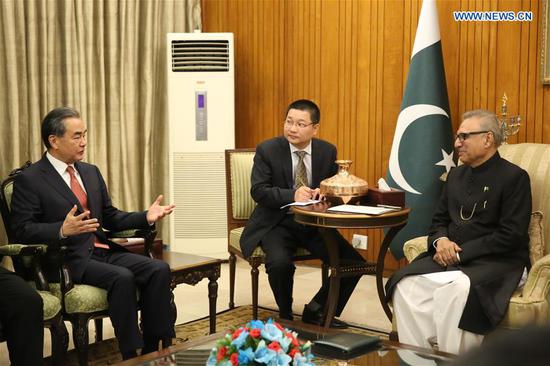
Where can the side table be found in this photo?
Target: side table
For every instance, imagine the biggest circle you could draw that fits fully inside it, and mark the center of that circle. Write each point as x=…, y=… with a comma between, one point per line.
x=317, y=215
x=191, y=269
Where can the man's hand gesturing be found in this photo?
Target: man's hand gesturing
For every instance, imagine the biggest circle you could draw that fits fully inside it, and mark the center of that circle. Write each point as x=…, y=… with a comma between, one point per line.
x=157, y=211
x=79, y=224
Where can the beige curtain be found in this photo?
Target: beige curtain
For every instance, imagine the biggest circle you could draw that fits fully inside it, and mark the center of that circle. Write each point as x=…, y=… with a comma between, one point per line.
x=108, y=60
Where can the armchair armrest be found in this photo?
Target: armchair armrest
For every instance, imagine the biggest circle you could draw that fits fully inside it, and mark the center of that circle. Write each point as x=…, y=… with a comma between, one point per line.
x=412, y=248
x=26, y=262
x=537, y=286
x=14, y=250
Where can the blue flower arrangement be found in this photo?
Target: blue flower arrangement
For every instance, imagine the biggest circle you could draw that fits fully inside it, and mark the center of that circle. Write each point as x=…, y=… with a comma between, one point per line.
x=261, y=343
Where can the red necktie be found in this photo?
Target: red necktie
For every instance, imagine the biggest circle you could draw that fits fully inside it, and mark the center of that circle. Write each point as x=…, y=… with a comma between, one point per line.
x=82, y=198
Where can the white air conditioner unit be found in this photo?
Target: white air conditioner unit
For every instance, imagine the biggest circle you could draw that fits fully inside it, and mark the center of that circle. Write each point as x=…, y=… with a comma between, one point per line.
x=201, y=114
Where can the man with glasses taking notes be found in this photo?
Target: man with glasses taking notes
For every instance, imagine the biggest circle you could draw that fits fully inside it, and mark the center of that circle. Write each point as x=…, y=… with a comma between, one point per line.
x=477, y=253
x=286, y=169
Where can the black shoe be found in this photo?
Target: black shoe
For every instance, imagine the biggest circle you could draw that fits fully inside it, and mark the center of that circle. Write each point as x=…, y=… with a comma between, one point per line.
x=316, y=318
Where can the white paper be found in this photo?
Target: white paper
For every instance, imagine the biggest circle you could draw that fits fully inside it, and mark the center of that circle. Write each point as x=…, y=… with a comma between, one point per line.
x=368, y=210
x=303, y=203
x=383, y=185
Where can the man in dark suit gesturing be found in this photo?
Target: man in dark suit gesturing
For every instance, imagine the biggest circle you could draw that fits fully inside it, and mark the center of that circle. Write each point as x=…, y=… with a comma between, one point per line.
x=288, y=169
x=61, y=198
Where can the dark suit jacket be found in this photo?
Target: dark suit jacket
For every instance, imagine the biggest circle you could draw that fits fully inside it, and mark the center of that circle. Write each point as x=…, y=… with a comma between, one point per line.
x=272, y=184
x=494, y=240
x=41, y=201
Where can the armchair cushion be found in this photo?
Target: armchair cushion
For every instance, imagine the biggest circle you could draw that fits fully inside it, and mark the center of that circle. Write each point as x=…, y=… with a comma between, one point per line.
x=82, y=298
x=52, y=305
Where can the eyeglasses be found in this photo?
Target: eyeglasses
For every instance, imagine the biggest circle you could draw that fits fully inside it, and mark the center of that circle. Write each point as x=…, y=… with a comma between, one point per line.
x=465, y=135
x=300, y=125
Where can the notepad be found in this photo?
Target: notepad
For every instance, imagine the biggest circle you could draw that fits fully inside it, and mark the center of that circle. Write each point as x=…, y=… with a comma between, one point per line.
x=304, y=203
x=367, y=210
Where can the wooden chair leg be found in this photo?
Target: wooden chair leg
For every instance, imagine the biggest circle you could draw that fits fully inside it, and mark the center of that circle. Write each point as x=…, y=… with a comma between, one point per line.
x=81, y=338
x=254, y=273
x=98, y=329
x=324, y=274
x=60, y=340
x=232, y=266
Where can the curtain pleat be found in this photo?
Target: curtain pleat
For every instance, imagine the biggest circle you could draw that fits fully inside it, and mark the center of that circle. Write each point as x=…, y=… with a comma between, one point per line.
x=107, y=59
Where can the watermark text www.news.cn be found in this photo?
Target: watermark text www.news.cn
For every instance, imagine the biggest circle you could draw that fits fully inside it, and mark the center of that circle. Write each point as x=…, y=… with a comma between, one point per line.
x=493, y=16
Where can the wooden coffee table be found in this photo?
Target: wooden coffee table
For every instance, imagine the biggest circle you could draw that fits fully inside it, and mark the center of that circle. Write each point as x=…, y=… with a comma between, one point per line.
x=191, y=269
x=389, y=353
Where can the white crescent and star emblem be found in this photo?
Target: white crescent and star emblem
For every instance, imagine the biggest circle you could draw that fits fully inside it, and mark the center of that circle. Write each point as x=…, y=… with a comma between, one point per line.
x=406, y=118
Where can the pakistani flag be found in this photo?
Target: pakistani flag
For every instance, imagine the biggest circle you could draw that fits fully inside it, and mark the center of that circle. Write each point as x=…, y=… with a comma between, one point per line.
x=422, y=148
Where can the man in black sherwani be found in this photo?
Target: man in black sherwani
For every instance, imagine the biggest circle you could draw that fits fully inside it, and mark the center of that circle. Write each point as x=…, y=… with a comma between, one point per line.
x=478, y=250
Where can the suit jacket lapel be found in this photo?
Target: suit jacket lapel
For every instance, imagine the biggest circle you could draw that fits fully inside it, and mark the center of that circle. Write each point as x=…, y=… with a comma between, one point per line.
x=52, y=177
x=287, y=162
x=315, y=161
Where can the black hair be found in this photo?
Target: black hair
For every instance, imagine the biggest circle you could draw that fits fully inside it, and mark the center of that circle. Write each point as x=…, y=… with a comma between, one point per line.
x=306, y=105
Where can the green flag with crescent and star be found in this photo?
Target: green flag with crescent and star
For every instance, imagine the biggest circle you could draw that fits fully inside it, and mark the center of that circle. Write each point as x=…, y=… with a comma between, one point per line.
x=422, y=148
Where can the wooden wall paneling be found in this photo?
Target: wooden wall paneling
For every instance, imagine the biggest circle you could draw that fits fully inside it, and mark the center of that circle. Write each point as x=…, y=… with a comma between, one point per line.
x=508, y=59
x=533, y=76
x=525, y=60
x=329, y=71
x=352, y=57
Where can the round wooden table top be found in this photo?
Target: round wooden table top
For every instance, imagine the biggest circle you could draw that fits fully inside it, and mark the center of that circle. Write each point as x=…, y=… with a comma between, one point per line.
x=317, y=215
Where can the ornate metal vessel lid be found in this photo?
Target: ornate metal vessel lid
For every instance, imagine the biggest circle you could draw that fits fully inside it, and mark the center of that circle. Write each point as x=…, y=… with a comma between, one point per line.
x=344, y=185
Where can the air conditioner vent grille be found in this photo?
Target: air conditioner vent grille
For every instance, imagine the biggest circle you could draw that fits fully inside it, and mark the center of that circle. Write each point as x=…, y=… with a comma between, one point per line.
x=197, y=56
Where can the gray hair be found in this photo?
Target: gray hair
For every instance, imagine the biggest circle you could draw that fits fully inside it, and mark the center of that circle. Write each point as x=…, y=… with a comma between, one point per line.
x=489, y=122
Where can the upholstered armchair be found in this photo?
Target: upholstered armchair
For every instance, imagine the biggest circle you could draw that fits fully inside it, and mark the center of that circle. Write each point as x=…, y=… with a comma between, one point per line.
x=79, y=303
x=25, y=259
x=531, y=302
x=238, y=170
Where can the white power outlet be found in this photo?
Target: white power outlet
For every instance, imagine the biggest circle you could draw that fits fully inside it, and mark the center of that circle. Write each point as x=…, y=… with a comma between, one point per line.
x=360, y=241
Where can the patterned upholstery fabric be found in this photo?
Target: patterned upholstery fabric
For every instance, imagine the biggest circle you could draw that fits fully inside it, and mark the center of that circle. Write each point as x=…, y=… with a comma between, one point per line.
x=241, y=167
x=531, y=303
x=52, y=305
x=15, y=249
x=82, y=298
x=536, y=237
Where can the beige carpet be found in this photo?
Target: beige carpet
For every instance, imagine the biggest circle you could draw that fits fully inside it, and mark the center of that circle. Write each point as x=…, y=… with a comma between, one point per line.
x=106, y=352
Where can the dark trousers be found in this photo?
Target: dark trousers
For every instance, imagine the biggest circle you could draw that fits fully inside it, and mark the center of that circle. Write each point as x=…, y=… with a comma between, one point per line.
x=280, y=245
x=122, y=274
x=21, y=319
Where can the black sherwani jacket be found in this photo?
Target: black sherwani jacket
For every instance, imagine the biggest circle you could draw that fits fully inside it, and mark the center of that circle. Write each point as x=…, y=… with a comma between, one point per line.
x=486, y=211
x=41, y=201
x=272, y=184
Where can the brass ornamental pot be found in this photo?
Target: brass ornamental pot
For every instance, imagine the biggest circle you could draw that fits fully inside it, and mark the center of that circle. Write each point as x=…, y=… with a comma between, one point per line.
x=344, y=188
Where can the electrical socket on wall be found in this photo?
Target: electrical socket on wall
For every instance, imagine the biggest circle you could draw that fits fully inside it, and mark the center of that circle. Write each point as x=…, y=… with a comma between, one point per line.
x=359, y=241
